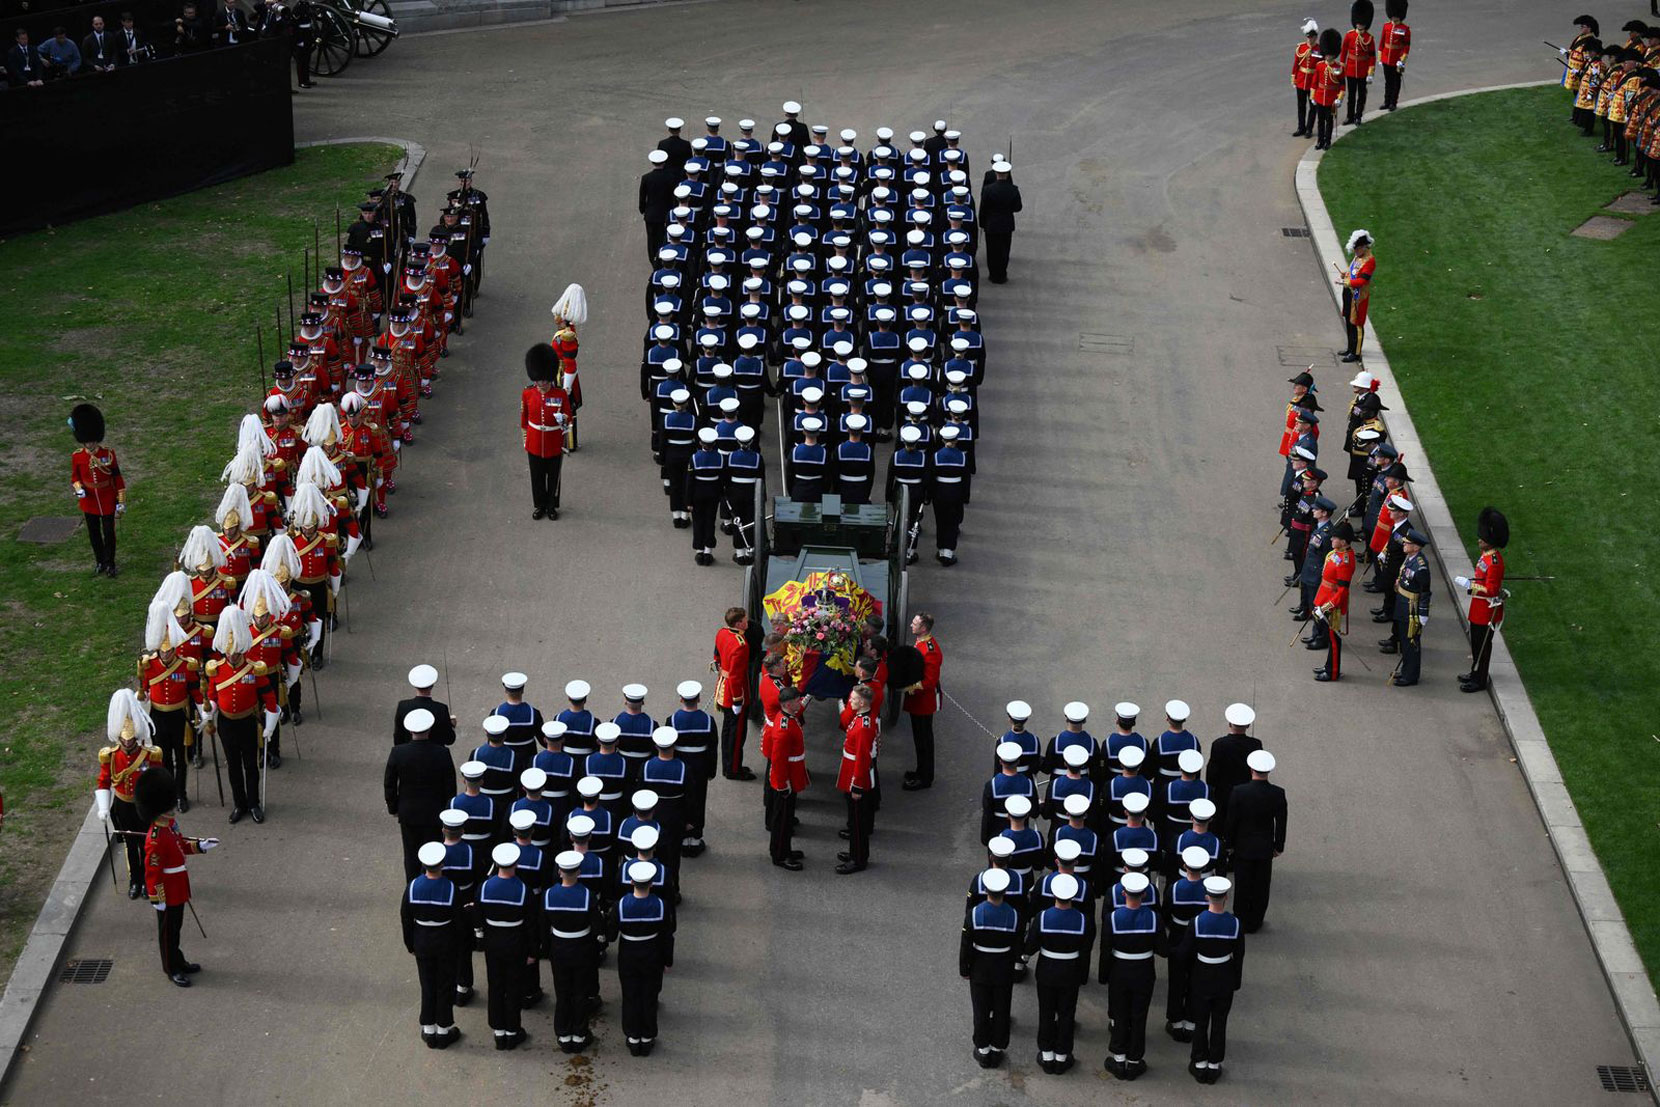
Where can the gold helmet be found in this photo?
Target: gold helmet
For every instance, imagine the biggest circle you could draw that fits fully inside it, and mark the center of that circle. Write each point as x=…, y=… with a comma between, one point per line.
x=162, y=631
x=234, y=509
x=201, y=552
x=281, y=559
x=127, y=718
x=175, y=592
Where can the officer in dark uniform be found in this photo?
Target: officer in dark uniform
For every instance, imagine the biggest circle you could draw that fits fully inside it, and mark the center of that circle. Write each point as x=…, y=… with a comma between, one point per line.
x=434, y=930
x=572, y=917
x=1061, y=937
x=990, y=946
x=999, y=201
x=1412, y=592
x=1307, y=579
x=657, y=199
x=1254, y=832
x=1213, y=948
x=1130, y=936
x=674, y=145
x=419, y=781
x=1225, y=768
x=506, y=913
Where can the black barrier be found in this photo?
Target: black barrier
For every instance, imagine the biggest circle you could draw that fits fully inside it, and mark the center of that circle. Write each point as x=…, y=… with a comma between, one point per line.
x=109, y=141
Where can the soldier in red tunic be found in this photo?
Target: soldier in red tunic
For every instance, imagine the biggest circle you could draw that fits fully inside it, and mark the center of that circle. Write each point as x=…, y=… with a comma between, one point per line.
x=317, y=548
x=282, y=561
x=165, y=879
x=1303, y=61
x=787, y=773
x=241, y=550
x=922, y=702
x=176, y=592
x=169, y=684
x=95, y=475
x=128, y=756
x=1327, y=87
x=1331, y=602
x=323, y=360
x=856, y=779
x=280, y=429
x=1487, y=594
x=1393, y=46
x=731, y=664
x=287, y=386
x=203, y=560
x=544, y=412
x=1359, y=55
x=235, y=689
x=274, y=646
x=1356, y=283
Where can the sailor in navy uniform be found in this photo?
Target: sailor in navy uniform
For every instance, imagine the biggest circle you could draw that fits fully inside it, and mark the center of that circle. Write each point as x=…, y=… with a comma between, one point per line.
x=1213, y=946
x=950, y=472
x=461, y=868
x=695, y=743
x=1175, y=796
x=998, y=852
x=506, y=912
x=1009, y=781
x=643, y=924
x=1066, y=854
x=1186, y=900
x=534, y=803
x=986, y=959
x=746, y=469
x=1135, y=833
x=1076, y=713
x=534, y=860
x=1080, y=813
x=679, y=440
x=706, y=486
x=1201, y=811
x=1061, y=937
x=1161, y=767
x=608, y=766
x=668, y=775
x=479, y=830
x=434, y=928
x=855, y=462
x=908, y=468
x=1028, y=843
x=749, y=377
x=1130, y=936
x=578, y=720
x=1031, y=752
x=1070, y=782
x=635, y=728
x=1412, y=596
x=572, y=915
x=499, y=781
x=809, y=462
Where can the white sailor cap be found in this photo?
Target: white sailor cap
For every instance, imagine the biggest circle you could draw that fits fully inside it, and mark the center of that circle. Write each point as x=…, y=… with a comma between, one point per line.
x=505, y=855
x=959, y=344
x=642, y=872
x=664, y=737
x=472, y=770
x=708, y=435
x=674, y=122
x=918, y=371
x=812, y=424
x=1124, y=709
x=1068, y=849
x=711, y=311
x=1000, y=846
x=1136, y=802
x=580, y=826
x=798, y=312
x=1076, y=805
x=790, y=108
x=1196, y=858
x=510, y=681
x=589, y=787
x=570, y=860
x=1064, y=886
x=812, y=394
x=1018, y=806
x=496, y=725
x=854, y=364
x=423, y=676
x=1134, y=884
x=955, y=376
x=452, y=818
x=917, y=408
x=995, y=881
x=634, y=693
x=953, y=135
x=884, y=134
x=1260, y=761
x=666, y=307
x=718, y=282
x=848, y=135
x=688, y=690
x=682, y=191
x=1190, y=761
x=644, y=799
x=1076, y=711
x=418, y=721
x=1217, y=886
x=746, y=124
x=1177, y=710
x=918, y=344
x=1240, y=714
x=1076, y=757
x=1131, y=757
x=884, y=314
x=917, y=136
x=533, y=780
x=910, y=434
x=680, y=396
x=1202, y=810
x=744, y=434
x=644, y=838
x=607, y=733
x=662, y=331
x=779, y=129
x=658, y=157
x=1008, y=752
x=522, y=819
x=1134, y=858
x=856, y=422
x=711, y=120
x=1400, y=502
x=553, y=730
x=729, y=405
x=432, y=854
x=749, y=341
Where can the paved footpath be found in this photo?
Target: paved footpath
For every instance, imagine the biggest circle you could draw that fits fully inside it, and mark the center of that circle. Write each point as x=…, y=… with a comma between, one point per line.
x=1422, y=946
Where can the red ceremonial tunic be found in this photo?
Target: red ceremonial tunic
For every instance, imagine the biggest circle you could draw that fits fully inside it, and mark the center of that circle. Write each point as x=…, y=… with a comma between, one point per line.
x=1359, y=282
x=1327, y=88
x=1360, y=53
x=168, y=685
x=767, y=692
x=1394, y=43
x=318, y=559
x=165, y=880
x=238, y=691
x=926, y=699
x=544, y=435
x=1335, y=575
x=732, y=662
x=290, y=448
x=1302, y=66
x=787, y=757
x=209, y=597
x=241, y=557
x=97, y=473
x=1387, y=518
x=858, y=754
x=119, y=767
x=1487, y=581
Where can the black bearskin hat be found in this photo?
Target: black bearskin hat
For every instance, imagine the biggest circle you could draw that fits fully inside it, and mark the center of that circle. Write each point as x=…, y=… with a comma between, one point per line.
x=155, y=794
x=1344, y=530
x=1395, y=9
x=1360, y=13
x=87, y=422
x=1331, y=43
x=541, y=362
x=1493, y=528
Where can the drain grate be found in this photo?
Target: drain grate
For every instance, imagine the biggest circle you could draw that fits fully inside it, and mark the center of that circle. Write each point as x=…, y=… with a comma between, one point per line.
x=1622, y=1078
x=1294, y=232
x=86, y=970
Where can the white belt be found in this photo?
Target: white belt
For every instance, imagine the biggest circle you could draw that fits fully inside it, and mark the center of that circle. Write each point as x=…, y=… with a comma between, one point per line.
x=1069, y=956
x=744, y=480
x=1179, y=820
x=694, y=749
x=540, y=427
x=948, y=480
x=519, y=742
x=503, y=922
x=474, y=837
x=175, y=869
x=632, y=755
x=1171, y=773
x=429, y=922
x=991, y=949
x=1120, y=822
x=638, y=937
x=850, y=756
x=798, y=757
x=610, y=796
x=682, y=442
x=583, y=933
x=496, y=791
x=1216, y=960
x=555, y=795
x=1125, y=956
x=709, y=480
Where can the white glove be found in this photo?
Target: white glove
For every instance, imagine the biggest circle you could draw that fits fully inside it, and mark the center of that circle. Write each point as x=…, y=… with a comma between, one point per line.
x=485, y=240
x=352, y=543
x=314, y=631
x=362, y=498
x=386, y=268
x=1401, y=65
x=121, y=509
x=560, y=418
x=467, y=270
x=80, y=493
x=293, y=673
x=271, y=718
x=334, y=584
x=397, y=448
x=206, y=844
x=1562, y=51
x=378, y=482
x=1423, y=620
x=1319, y=615
x=1462, y=582
x=102, y=796
x=1368, y=80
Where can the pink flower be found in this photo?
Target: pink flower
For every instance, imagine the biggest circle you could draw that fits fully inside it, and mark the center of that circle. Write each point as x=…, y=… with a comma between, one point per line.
x=820, y=636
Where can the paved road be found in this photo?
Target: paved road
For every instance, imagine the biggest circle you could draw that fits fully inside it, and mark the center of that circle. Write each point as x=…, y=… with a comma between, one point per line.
x=1422, y=944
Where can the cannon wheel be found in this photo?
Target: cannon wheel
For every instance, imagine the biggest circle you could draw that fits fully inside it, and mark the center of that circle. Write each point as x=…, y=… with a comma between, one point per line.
x=370, y=41
x=335, y=43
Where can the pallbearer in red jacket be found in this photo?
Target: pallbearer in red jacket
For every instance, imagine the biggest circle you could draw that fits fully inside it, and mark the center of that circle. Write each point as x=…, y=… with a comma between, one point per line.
x=787, y=770
x=1356, y=283
x=95, y=475
x=1360, y=55
x=243, y=709
x=1303, y=61
x=282, y=561
x=731, y=664
x=169, y=685
x=544, y=413
x=241, y=550
x=856, y=779
x=922, y=702
x=1487, y=595
x=1393, y=46
x=1331, y=602
x=274, y=646
x=120, y=764
x=203, y=559
x=317, y=548
x=165, y=879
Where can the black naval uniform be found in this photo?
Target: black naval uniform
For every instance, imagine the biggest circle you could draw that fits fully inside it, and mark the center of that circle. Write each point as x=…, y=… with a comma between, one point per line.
x=1214, y=949
x=506, y=911
x=656, y=201
x=1412, y=595
x=990, y=946
x=434, y=930
x=1254, y=832
x=1061, y=939
x=999, y=201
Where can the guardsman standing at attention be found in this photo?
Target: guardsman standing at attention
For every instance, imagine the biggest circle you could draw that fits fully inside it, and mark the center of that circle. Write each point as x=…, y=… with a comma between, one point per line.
x=1360, y=53
x=1327, y=87
x=165, y=879
x=434, y=930
x=990, y=945
x=1303, y=61
x=731, y=666
x=1412, y=596
x=1213, y=948
x=1356, y=283
x=544, y=413
x=128, y=756
x=1393, y=47
x=1486, y=591
x=787, y=773
x=95, y=474
x=857, y=779
x=922, y=702
x=1331, y=602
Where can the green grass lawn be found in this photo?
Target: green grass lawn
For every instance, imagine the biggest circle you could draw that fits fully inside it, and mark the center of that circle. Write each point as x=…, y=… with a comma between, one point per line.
x=150, y=314
x=1529, y=360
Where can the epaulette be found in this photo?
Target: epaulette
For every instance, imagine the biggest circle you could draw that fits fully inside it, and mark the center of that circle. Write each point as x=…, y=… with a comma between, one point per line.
x=212, y=667
x=261, y=669
x=287, y=632
x=332, y=540
x=253, y=541
x=104, y=755
x=193, y=664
